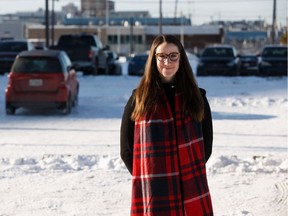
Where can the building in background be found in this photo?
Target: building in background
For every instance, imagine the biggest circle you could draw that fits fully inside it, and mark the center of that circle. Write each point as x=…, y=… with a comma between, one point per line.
x=125, y=42
x=128, y=32
x=12, y=29
x=96, y=8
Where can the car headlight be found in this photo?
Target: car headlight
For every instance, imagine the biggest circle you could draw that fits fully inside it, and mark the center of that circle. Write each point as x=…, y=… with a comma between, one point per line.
x=200, y=63
x=265, y=63
x=231, y=63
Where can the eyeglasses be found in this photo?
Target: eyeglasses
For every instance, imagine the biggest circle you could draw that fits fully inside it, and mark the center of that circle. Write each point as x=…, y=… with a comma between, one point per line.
x=174, y=56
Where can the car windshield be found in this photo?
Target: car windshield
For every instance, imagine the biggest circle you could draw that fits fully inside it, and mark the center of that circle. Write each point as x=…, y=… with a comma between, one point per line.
x=218, y=52
x=275, y=52
x=37, y=65
x=76, y=41
x=13, y=46
x=110, y=55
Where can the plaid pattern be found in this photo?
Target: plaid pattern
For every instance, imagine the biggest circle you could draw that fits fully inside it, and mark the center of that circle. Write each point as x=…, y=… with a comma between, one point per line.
x=169, y=174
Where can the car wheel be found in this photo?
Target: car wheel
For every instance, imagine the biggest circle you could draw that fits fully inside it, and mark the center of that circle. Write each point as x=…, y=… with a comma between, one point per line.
x=10, y=110
x=75, y=100
x=118, y=71
x=94, y=70
x=107, y=70
x=86, y=72
x=67, y=108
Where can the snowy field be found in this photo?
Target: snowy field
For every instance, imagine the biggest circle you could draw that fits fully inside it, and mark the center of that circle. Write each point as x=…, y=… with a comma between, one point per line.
x=51, y=164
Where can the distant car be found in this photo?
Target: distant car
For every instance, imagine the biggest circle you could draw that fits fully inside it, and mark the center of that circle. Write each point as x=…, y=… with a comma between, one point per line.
x=9, y=49
x=249, y=65
x=221, y=60
x=42, y=79
x=273, y=61
x=114, y=67
x=136, y=64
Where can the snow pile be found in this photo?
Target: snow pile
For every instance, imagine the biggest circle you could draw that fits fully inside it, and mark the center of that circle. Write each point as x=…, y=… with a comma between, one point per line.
x=256, y=164
x=249, y=102
x=73, y=163
x=61, y=163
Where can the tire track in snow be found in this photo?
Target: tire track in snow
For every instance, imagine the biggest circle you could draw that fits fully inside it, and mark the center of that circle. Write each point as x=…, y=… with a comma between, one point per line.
x=280, y=200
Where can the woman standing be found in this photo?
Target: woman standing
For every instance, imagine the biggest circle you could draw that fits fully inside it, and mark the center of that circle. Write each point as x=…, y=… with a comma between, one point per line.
x=166, y=136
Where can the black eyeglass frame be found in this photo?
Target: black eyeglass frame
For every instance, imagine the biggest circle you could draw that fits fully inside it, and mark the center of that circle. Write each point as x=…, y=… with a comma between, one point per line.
x=168, y=56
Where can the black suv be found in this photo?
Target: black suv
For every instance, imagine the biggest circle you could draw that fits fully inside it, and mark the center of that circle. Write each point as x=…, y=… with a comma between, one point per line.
x=9, y=50
x=218, y=60
x=273, y=61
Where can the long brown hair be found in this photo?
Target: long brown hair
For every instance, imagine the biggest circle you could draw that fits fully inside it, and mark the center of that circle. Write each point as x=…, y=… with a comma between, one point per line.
x=147, y=94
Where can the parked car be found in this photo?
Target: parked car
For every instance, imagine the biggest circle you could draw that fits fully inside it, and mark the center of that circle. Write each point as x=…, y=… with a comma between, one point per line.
x=136, y=64
x=218, y=60
x=42, y=79
x=9, y=49
x=249, y=65
x=86, y=51
x=273, y=61
x=114, y=67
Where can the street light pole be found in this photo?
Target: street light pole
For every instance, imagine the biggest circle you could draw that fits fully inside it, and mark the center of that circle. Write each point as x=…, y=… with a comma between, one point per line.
x=107, y=12
x=131, y=35
x=47, y=22
x=160, y=17
x=53, y=23
x=274, y=22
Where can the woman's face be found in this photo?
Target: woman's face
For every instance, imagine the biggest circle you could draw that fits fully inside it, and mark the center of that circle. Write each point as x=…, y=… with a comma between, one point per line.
x=167, y=58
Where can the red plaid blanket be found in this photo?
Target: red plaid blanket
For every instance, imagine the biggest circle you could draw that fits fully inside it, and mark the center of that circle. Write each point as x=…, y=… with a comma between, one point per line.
x=169, y=174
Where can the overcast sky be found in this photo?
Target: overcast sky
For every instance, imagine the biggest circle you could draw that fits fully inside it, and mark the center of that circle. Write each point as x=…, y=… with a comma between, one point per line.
x=200, y=11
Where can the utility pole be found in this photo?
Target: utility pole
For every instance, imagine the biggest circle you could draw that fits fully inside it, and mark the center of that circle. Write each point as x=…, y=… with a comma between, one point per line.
x=175, y=12
x=273, y=33
x=52, y=23
x=107, y=13
x=160, y=17
x=47, y=22
x=131, y=35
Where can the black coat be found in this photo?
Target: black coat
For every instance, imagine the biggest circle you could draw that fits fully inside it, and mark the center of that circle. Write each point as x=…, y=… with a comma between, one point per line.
x=127, y=127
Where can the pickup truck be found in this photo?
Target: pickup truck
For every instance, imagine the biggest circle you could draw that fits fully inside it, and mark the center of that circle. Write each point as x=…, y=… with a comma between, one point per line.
x=86, y=52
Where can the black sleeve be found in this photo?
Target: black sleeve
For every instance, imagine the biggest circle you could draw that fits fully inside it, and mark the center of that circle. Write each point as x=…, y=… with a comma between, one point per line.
x=207, y=126
x=127, y=135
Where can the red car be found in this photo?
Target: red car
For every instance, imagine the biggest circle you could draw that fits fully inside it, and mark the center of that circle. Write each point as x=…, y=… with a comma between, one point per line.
x=42, y=79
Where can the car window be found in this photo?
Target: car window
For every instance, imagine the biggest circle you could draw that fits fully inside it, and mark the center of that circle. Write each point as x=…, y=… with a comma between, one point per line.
x=77, y=41
x=111, y=55
x=141, y=58
x=275, y=52
x=37, y=65
x=13, y=46
x=218, y=52
x=99, y=43
x=65, y=62
x=71, y=41
x=87, y=40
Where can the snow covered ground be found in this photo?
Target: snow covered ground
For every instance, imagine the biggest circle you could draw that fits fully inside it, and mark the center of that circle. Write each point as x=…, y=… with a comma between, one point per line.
x=51, y=164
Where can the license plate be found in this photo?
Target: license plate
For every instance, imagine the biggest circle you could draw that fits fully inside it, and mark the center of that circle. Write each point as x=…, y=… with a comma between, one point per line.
x=35, y=82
